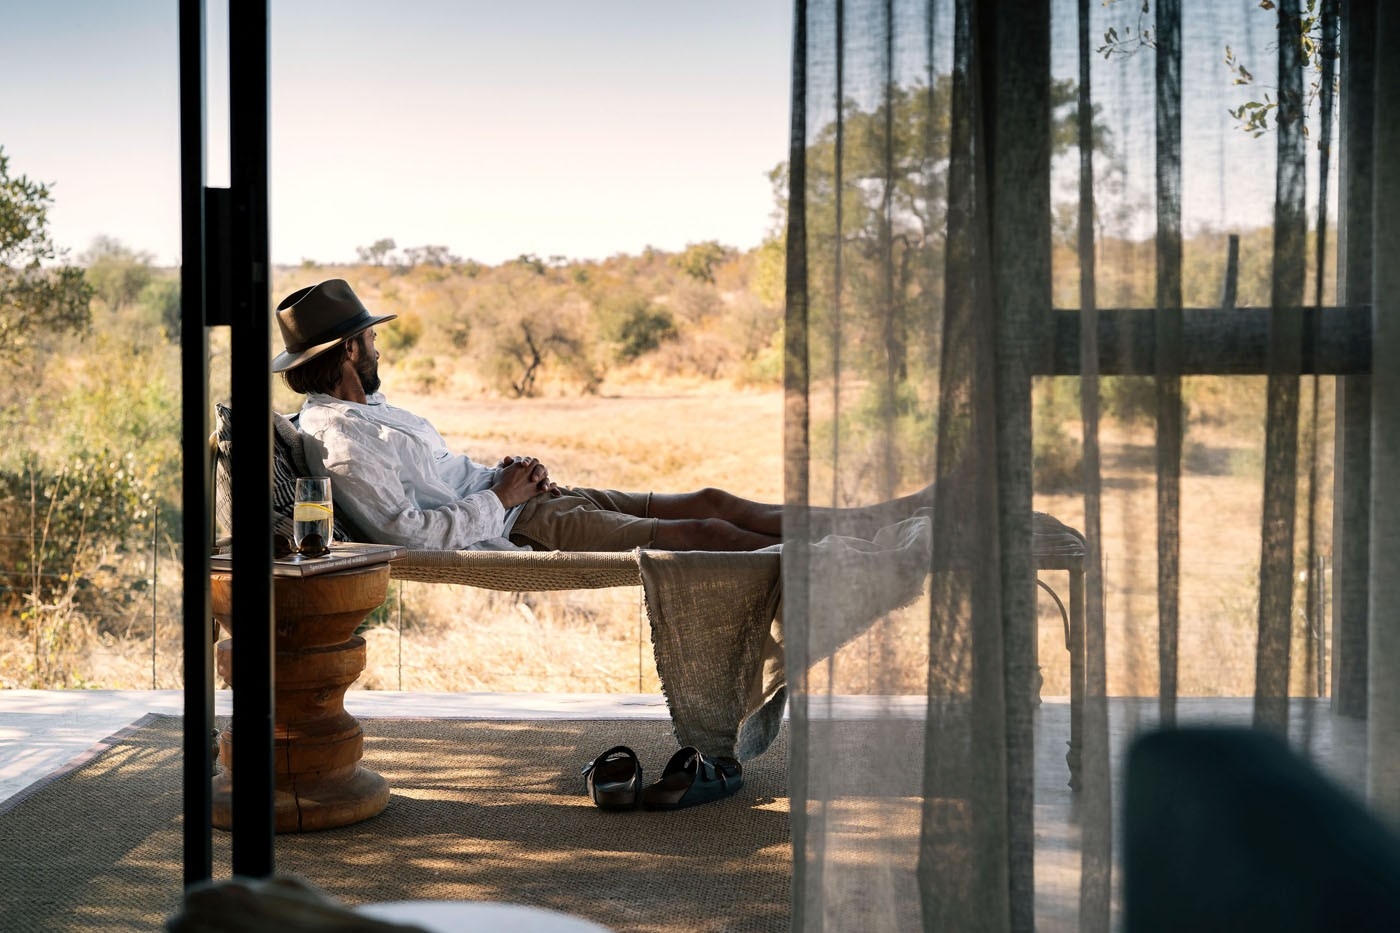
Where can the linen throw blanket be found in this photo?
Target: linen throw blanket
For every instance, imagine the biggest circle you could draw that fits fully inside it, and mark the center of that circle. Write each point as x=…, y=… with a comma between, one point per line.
x=717, y=625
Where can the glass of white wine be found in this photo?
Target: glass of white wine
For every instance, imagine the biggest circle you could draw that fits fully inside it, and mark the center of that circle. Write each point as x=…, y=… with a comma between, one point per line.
x=311, y=516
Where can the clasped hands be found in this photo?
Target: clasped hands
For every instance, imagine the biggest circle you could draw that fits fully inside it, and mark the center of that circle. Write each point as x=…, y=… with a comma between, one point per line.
x=521, y=479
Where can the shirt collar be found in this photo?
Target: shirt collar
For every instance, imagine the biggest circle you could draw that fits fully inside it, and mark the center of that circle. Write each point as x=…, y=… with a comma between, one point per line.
x=321, y=398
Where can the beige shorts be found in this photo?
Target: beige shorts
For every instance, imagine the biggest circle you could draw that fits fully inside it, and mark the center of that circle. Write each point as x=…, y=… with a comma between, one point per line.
x=586, y=520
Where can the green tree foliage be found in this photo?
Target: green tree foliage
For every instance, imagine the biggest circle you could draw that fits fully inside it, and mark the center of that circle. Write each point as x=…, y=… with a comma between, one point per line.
x=77, y=508
x=160, y=304
x=117, y=273
x=78, y=520
x=132, y=407
x=893, y=199
x=1252, y=116
x=700, y=259
x=770, y=272
x=86, y=492
x=1056, y=458
x=37, y=297
x=404, y=333
x=634, y=325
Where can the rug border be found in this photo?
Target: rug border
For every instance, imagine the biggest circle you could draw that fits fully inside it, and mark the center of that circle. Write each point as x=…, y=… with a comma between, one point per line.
x=78, y=761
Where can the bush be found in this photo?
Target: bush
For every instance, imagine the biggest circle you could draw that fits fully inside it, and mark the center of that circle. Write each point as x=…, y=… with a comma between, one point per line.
x=159, y=303
x=634, y=325
x=96, y=504
x=133, y=407
x=644, y=331
x=74, y=536
x=765, y=368
x=1131, y=399
x=420, y=375
x=402, y=334
x=700, y=259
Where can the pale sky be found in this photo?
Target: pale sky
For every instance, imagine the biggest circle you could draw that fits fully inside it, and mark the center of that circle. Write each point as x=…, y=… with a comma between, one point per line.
x=580, y=128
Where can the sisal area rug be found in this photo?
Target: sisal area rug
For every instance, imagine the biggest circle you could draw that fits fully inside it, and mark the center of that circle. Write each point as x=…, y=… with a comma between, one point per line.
x=479, y=811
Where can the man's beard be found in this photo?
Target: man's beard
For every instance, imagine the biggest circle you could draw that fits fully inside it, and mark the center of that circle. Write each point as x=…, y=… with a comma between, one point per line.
x=368, y=370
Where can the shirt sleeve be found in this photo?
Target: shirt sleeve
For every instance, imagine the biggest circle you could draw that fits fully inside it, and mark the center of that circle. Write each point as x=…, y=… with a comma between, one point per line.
x=391, y=491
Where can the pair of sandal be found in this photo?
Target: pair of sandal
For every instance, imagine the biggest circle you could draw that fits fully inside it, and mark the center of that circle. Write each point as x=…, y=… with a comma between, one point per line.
x=614, y=780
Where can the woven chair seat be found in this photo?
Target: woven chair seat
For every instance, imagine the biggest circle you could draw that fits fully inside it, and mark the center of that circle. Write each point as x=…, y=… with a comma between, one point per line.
x=520, y=571
x=1055, y=546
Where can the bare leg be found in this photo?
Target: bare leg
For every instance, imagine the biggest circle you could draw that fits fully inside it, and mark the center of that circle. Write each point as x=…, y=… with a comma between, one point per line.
x=767, y=519
x=707, y=534
x=758, y=517
x=865, y=521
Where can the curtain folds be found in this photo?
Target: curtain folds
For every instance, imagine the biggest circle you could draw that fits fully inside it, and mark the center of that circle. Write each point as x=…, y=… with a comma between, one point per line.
x=1012, y=230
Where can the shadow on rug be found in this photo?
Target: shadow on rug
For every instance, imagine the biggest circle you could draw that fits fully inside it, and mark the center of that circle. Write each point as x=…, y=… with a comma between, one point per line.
x=479, y=811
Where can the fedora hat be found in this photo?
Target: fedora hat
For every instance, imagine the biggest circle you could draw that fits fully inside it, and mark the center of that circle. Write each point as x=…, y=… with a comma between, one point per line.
x=316, y=318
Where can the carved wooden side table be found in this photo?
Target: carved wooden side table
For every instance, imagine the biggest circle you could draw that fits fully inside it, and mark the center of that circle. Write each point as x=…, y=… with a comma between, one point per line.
x=318, y=745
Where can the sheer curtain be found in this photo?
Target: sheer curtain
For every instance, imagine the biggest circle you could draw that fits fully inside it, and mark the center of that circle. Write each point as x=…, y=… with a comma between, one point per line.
x=1114, y=262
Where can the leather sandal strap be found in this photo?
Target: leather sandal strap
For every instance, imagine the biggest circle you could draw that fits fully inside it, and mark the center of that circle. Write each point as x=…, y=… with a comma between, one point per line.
x=621, y=751
x=711, y=768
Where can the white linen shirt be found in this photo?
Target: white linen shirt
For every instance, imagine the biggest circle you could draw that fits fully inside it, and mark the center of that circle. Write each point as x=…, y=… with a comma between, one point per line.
x=392, y=474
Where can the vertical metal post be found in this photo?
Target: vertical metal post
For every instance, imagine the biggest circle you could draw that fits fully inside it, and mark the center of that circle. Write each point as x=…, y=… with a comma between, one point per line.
x=253, y=783
x=194, y=405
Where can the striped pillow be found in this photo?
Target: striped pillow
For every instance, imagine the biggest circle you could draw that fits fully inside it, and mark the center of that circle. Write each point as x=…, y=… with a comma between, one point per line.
x=288, y=462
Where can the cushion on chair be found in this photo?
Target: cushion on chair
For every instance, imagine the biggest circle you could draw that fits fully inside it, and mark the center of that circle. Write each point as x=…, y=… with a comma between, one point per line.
x=288, y=462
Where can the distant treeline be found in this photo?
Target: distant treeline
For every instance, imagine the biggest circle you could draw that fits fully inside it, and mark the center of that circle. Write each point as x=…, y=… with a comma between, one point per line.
x=533, y=326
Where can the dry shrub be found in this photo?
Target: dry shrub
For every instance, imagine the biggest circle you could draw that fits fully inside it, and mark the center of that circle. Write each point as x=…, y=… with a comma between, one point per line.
x=704, y=352
x=131, y=642
x=420, y=374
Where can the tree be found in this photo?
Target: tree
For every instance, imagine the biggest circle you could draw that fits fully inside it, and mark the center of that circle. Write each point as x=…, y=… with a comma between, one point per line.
x=376, y=253
x=525, y=330
x=35, y=298
x=532, y=262
x=699, y=259
x=636, y=326
x=436, y=256
x=117, y=273
x=1313, y=31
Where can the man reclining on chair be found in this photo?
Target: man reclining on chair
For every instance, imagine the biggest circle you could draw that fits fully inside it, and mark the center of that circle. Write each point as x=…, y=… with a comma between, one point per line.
x=395, y=477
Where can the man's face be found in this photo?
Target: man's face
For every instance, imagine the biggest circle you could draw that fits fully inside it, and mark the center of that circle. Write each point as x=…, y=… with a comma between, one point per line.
x=367, y=362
